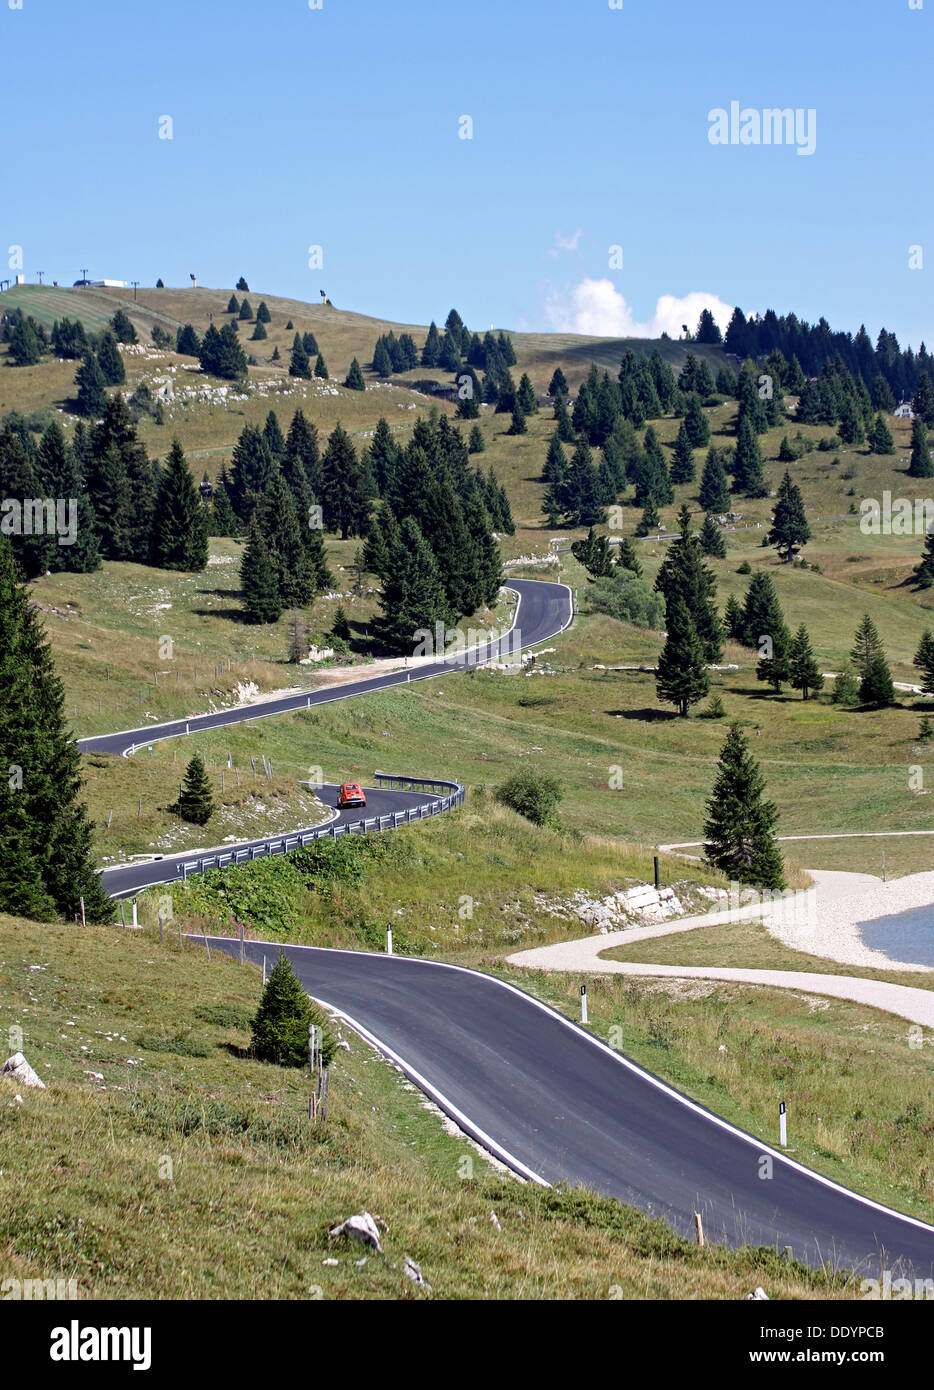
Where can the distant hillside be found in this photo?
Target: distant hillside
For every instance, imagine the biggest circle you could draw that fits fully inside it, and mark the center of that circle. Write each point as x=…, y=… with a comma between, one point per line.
x=341, y=333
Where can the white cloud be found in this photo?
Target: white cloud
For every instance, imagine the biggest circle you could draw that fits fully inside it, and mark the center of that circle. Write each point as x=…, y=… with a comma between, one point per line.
x=565, y=243
x=597, y=308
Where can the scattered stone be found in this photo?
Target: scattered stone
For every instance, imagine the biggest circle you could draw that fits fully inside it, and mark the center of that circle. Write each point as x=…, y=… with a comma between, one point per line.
x=19, y=1070
x=413, y=1271
x=330, y=1262
x=759, y=1293
x=494, y=1221
x=361, y=1227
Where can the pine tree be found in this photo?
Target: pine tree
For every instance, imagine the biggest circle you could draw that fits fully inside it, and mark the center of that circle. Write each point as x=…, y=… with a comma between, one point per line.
x=518, y=424
x=273, y=437
x=246, y=311
x=223, y=517
x=626, y=557
x=476, y=443
x=259, y=587
x=924, y=660
x=123, y=329
x=242, y=285
x=767, y=632
x=179, y=539
x=526, y=395
x=747, y=471
x=684, y=575
x=714, y=492
x=876, y=686
x=650, y=520
x=563, y=425
x=867, y=644
x=233, y=305
x=49, y=853
x=733, y=619
x=431, y=352
x=252, y=467
x=413, y=595
x=924, y=570
x=259, y=332
x=262, y=313
x=62, y=477
x=25, y=347
x=920, y=465
x=880, y=437
x=354, y=380
x=681, y=675
x=789, y=530
x=711, y=539
x=288, y=550
x=558, y=384
x=195, y=799
x=682, y=461
x=382, y=362
x=187, y=343
x=696, y=423
x=321, y=368
x=310, y=344
x=280, y=1028
x=805, y=672
x=299, y=364
x=740, y=826
x=845, y=687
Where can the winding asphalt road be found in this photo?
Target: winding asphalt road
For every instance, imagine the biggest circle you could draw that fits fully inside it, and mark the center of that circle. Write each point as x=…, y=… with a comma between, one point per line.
x=541, y=1093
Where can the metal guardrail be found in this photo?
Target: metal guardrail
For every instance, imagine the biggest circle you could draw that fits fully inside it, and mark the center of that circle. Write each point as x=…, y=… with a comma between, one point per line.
x=283, y=844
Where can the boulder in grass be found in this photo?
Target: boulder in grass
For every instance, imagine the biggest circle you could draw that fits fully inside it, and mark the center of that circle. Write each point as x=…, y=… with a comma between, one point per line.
x=18, y=1069
x=361, y=1227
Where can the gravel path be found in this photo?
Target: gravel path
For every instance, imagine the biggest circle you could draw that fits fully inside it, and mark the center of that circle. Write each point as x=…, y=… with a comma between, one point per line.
x=824, y=923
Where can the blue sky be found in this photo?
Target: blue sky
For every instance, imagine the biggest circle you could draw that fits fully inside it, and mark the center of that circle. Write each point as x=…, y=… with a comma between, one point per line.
x=338, y=127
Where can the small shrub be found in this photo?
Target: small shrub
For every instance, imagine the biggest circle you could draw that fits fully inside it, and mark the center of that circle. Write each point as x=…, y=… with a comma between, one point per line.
x=533, y=794
x=744, y=568
x=285, y=1013
x=714, y=710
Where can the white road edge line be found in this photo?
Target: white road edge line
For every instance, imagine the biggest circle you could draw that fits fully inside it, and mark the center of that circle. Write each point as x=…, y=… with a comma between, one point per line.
x=624, y=1061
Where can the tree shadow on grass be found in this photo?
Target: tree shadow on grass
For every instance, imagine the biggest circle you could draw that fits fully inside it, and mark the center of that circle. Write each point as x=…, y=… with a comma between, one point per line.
x=648, y=716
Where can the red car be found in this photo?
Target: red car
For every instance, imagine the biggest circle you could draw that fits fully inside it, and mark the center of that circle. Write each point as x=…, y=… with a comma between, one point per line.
x=351, y=794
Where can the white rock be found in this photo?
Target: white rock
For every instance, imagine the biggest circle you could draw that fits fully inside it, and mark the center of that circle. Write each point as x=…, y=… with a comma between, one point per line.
x=360, y=1227
x=494, y=1221
x=19, y=1069
x=412, y=1271
x=759, y=1293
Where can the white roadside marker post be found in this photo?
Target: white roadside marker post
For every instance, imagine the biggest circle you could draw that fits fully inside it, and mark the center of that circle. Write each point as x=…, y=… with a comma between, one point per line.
x=782, y=1126
x=389, y=941
x=135, y=921
x=583, y=1003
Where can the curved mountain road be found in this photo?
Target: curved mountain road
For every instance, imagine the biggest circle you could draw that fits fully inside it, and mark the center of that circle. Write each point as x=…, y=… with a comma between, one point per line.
x=553, y=1102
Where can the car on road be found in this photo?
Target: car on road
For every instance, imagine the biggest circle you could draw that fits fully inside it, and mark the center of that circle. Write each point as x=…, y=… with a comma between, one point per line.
x=351, y=794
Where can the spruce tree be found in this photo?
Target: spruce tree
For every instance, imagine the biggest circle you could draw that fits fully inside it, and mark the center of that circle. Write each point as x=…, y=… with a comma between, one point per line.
x=280, y=1028
x=310, y=344
x=233, y=305
x=123, y=329
x=262, y=313
x=62, y=477
x=476, y=443
x=431, y=352
x=563, y=425
x=714, y=492
x=259, y=332
x=345, y=495
x=195, y=799
x=733, y=619
x=924, y=661
x=286, y=544
x=789, y=530
x=413, y=595
x=876, y=686
x=684, y=575
x=920, y=465
x=259, y=585
x=110, y=361
x=526, y=395
x=845, y=687
x=740, y=827
x=354, y=380
x=299, y=364
x=696, y=423
x=880, y=438
x=518, y=424
x=179, y=540
x=223, y=517
x=321, y=368
x=626, y=557
x=558, y=384
x=924, y=570
x=681, y=675
x=867, y=644
x=747, y=470
x=187, y=343
x=711, y=539
x=382, y=362
x=246, y=311
x=805, y=672
x=50, y=858
x=242, y=284
x=90, y=381
x=650, y=520
x=682, y=461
